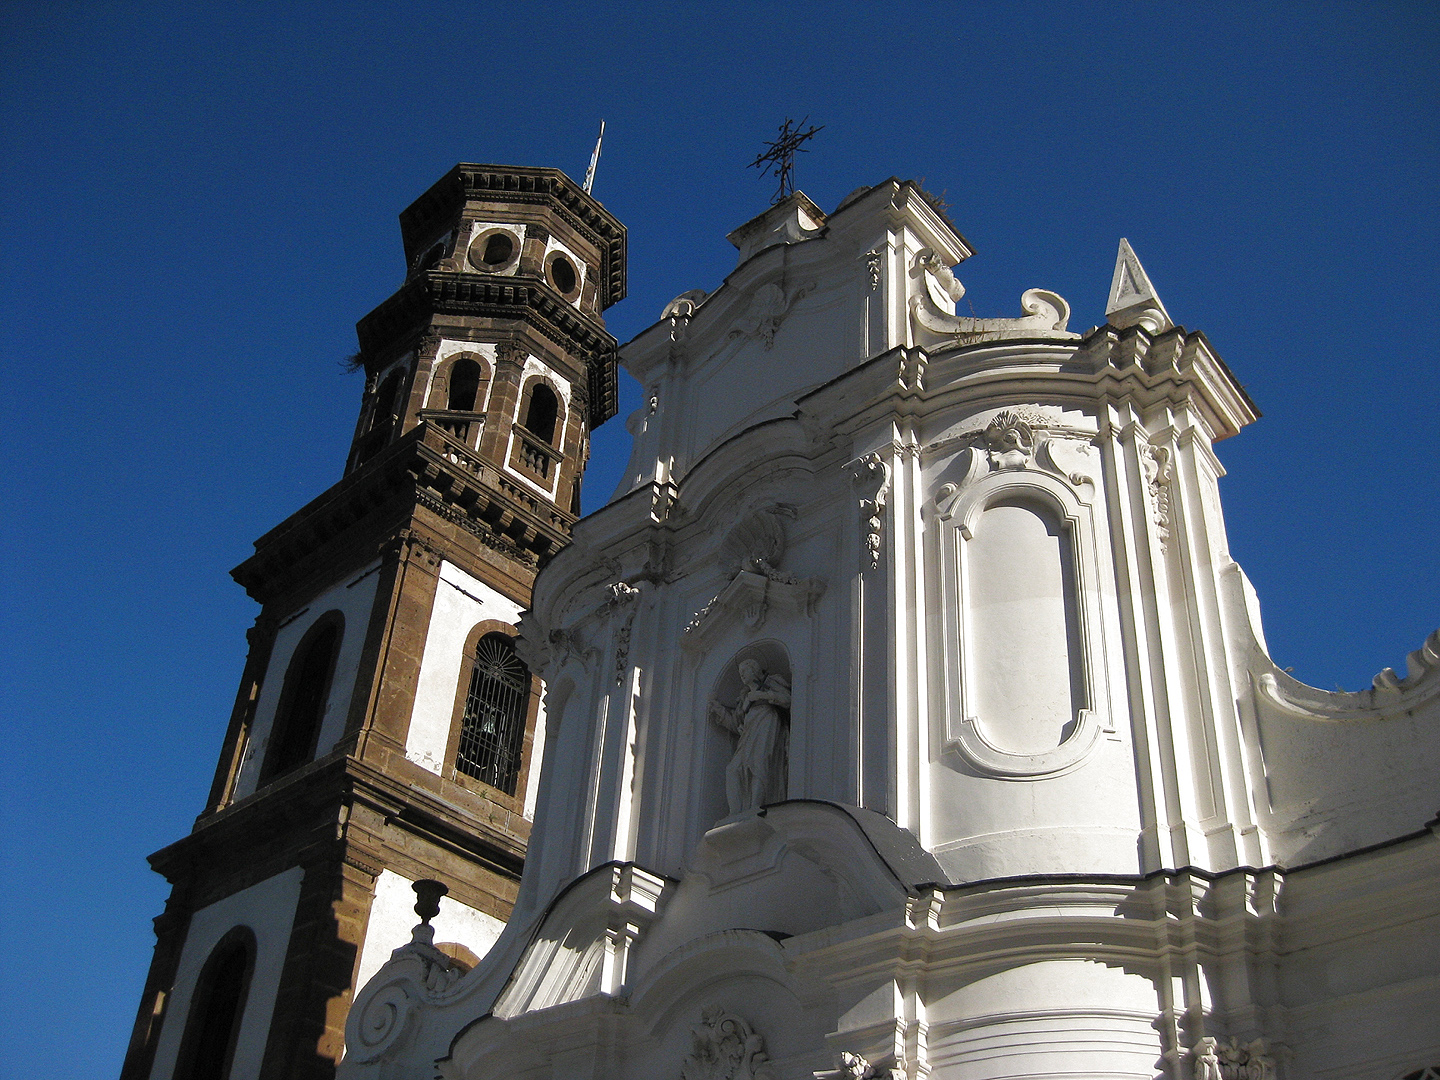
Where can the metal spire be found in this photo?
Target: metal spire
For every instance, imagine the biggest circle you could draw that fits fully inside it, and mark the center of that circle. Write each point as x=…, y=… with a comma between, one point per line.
x=594, y=160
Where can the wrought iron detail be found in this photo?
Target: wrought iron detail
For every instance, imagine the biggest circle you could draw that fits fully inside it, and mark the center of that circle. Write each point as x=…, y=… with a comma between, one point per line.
x=493, y=726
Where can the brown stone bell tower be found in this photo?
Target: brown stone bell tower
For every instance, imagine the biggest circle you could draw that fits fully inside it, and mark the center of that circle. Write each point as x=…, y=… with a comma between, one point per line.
x=384, y=727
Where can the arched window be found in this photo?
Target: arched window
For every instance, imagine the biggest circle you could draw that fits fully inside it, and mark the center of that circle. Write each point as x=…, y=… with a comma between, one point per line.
x=542, y=412
x=302, y=699
x=464, y=385
x=492, y=727
x=217, y=1005
x=385, y=400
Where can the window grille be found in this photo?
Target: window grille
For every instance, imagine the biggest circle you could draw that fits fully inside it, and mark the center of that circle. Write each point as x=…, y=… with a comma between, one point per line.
x=494, y=721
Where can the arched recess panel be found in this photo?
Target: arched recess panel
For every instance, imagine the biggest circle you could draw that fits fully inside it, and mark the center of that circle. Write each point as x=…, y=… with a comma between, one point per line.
x=1023, y=655
x=1024, y=691
x=296, y=729
x=217, y=1006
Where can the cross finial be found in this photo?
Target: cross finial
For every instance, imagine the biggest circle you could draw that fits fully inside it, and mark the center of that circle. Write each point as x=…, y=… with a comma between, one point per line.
x=779, y=155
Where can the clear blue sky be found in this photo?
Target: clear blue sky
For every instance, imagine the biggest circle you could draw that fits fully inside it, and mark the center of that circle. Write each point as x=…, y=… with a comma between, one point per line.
x=200, y=200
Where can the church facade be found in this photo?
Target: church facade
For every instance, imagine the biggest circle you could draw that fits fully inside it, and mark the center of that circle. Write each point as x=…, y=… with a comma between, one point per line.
x=906, y=716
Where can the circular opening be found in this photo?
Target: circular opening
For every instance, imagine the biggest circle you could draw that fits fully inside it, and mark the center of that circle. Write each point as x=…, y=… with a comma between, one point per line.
x=498, y=249
x=494, y=251
x=562, y=275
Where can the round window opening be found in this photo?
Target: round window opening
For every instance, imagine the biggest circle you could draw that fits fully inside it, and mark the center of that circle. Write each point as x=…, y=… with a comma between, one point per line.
x=494, y=251
x=498, y=249
x=562, y=275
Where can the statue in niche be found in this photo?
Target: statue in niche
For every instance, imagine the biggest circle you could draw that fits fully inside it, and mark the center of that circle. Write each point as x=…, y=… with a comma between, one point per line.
x=756, y=773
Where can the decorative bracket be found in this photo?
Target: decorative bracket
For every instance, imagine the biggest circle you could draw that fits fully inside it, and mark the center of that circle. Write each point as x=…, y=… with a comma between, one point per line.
x=870, y=472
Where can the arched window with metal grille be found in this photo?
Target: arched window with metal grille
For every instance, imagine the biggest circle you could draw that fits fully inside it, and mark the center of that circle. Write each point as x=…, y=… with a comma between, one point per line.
x=492, y=728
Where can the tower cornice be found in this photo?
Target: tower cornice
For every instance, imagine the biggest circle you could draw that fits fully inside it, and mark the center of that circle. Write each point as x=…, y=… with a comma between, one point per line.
x=528, y=300
x=427, y=470
x=522, y=184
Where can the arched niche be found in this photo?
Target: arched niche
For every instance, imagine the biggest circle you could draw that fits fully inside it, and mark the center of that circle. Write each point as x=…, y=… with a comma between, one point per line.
x=1023, y=659
x=461, y=383
x=740, y=773
x=300, y=713
x=217, y=1006
x=540, y=410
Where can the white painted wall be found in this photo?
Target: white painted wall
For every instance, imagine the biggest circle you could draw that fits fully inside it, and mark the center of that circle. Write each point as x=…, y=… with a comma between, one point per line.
x=392, y=916
x=268, y=909
x=354, y=600
x=461, y=601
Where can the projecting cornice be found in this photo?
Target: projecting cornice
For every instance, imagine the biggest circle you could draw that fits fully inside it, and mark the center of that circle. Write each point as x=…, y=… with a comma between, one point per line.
x=519, y=185
x=426, y=469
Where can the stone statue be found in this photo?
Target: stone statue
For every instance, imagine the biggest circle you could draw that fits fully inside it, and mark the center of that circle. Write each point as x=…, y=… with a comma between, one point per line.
x=756, y=773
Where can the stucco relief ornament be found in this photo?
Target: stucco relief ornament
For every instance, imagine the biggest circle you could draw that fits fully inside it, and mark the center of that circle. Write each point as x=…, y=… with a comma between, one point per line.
x=874, y=261
x=725, y=1047
x=768, y=308
x=1155, y=464
x=871, y=472
x=1215, y=1060
x=1010, y=438
x=750, y=555
x=621, y=594
x=855, y=1067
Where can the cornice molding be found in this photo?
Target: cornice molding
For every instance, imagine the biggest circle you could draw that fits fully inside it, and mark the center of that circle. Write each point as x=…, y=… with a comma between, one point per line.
x=522, y=185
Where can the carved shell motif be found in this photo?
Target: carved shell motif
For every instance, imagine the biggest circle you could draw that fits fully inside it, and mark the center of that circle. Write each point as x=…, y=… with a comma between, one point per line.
x=757, y=543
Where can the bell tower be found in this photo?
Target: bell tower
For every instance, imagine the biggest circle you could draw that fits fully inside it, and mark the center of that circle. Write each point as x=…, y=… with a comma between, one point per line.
x=384, y=725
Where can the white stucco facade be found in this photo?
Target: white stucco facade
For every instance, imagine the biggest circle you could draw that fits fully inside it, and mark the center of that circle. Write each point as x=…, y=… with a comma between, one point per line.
x=1049, y=809
x=268, y=910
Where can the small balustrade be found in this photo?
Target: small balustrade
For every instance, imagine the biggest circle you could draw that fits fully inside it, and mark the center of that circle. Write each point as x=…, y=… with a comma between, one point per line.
x=536, y=456
x=464, y=427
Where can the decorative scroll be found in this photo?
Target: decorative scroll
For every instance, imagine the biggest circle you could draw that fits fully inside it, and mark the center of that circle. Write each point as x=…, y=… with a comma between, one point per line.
x=1155, y=464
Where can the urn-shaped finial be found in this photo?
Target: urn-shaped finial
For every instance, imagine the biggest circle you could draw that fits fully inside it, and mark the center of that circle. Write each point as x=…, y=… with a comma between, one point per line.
x=427, y=905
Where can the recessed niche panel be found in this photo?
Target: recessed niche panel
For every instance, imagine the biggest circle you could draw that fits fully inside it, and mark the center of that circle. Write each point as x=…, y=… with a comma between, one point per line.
x=1023, y=663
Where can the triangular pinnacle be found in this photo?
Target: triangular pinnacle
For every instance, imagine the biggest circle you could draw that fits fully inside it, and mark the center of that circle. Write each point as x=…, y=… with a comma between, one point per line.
x=1132, y=297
